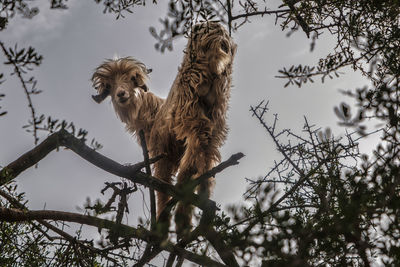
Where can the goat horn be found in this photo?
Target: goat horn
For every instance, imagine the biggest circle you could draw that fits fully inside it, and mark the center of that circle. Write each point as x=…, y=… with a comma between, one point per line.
x=144, y=88
x=100, y=97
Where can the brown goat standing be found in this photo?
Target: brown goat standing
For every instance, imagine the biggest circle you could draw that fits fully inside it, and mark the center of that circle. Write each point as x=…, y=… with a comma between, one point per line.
x=191, y=126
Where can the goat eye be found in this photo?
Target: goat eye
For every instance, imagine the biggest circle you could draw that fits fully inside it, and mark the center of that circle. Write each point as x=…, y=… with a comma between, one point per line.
x=224, y=47
x=134, y=80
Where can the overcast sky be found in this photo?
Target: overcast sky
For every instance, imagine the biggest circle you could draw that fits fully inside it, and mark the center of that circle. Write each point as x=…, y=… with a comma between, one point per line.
x=75, y=41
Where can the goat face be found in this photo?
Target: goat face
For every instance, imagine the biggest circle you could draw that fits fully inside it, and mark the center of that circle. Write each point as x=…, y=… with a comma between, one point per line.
x=211, y=43
x=123, y=79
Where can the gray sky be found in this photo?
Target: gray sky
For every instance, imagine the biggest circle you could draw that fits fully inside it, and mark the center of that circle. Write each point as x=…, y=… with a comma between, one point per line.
x=75, y=41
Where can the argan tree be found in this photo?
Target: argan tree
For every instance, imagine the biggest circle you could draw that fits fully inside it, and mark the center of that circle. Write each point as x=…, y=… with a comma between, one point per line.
x=322, y=203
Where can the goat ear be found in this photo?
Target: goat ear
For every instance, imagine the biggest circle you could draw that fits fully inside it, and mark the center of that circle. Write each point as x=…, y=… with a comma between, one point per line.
x=98, y=98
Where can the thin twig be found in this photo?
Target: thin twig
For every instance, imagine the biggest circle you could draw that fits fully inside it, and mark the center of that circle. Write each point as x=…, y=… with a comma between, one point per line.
x=28, y=95
x=259, y=13
x=133, y=173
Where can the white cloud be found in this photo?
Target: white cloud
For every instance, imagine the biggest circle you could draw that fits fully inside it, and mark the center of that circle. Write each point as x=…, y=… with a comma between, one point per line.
x=43, y=27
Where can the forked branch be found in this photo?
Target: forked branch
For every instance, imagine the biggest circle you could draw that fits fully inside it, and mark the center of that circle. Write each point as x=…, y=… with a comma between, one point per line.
x=15, y=215
x=132, y=173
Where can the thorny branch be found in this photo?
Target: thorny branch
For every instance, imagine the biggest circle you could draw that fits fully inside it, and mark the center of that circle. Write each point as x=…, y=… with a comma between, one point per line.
x=15, y=215
x=84, y=245
x=132, y=173
x=259, y=112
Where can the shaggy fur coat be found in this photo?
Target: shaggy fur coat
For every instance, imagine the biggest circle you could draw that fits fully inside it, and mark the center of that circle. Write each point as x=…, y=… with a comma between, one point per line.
x=190, y=126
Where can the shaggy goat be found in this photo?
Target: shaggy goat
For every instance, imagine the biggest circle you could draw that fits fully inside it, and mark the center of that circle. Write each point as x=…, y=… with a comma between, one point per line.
x=124, y=79
x=191, y=126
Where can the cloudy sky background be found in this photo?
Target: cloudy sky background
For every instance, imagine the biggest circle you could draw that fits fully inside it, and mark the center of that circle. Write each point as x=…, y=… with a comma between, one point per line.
x=75, y=41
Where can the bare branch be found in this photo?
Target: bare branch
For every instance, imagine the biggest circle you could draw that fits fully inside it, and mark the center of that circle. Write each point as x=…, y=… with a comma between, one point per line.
x=15, y=215
x=132, y=173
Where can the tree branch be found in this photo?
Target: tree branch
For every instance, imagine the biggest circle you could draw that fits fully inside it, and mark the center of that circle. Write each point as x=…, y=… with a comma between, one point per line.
x=303, y=177
x=14, y=202
x=132, y=173
x=148, y=172
x=63, y=138
x=150, y=252
x=15, y=215
x=233, y=160
x=223, y=251
x=303, y=24
x=259, y=13
x=27, y=93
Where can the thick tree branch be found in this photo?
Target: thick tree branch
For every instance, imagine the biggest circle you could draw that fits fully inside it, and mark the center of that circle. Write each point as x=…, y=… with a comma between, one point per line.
x=15, y=215
x=63, y=138
x=233, y=160
x=14, y=202
x=225, y=252
x=208, y=214
x=206, y=228
x=150, y=253
x=132, y=173
x=29, y=159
